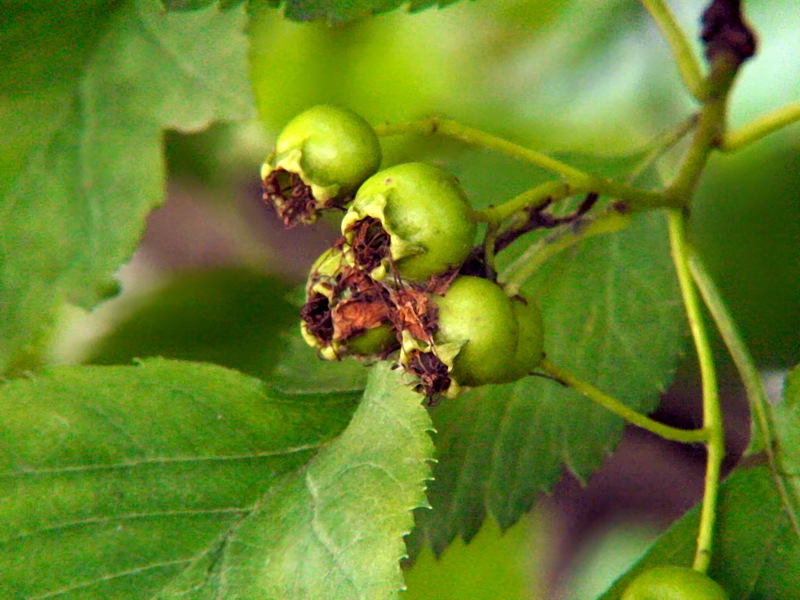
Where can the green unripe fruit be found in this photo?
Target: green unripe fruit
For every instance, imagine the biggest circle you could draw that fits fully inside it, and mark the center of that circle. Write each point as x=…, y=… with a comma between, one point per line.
x=472, y=339
x=671, y=582
x=530, y=342
x=476, y=314
x=414, y=217
x=320, y=159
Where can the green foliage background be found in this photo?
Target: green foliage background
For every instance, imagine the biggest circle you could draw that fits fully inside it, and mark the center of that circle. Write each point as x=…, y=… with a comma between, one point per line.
x=101, y=466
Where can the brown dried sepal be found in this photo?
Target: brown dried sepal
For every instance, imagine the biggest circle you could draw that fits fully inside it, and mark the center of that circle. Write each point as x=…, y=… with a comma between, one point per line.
x=439, y=284
x=292, y=199
x=414, y=312
x=433, y=375
x=365, y=304
x=370, y=243
x=316, y=314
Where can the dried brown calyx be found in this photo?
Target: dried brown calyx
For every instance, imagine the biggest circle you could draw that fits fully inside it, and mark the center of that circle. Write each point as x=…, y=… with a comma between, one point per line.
x=414, y=312
x=370, y=243
x=292, y=199
x=360, y=304
x=434, y=378
x=316, y=314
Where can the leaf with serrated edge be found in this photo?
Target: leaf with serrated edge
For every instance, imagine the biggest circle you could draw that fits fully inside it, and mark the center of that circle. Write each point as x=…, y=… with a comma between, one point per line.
x=613, y=315
x=83, y=165
x=115, y=479
x=335, y=528
x=755, y=550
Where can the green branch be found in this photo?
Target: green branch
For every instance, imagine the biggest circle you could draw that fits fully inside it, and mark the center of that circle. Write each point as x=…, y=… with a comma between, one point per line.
x=756, y=395
x=688, y=436
x=761, y=127
x=476, y=137
x=708, y=135
x=578, y=180
x=712, y=414
x=530, y=199
x=685, y=59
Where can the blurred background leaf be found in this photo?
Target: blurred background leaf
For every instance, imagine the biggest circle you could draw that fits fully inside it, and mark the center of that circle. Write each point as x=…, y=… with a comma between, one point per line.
x=231, y=317
x=84, y=96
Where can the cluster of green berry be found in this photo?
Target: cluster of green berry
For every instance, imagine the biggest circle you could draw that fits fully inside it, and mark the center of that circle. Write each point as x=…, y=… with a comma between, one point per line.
x=396, y=281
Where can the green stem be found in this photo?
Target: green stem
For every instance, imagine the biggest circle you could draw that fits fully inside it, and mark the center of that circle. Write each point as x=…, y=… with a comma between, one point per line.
x=533, y=198
x=685, y=59
x=489, y=242
x=576, y=178
x=712, y=414
x=756, y=394
x=688, y=436
x=476, y=137
x=517, y=273
x=708, y=135
x=661, y=145
x=761, y=127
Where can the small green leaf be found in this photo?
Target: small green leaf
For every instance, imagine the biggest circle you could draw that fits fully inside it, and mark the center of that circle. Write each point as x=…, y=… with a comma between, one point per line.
x=755, y=552
x=86, y=91
x=613, y=315
x=116, y=479
x=335, y=528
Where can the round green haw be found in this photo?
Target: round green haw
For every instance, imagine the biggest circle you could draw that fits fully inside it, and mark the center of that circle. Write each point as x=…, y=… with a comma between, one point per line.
x=530, y=342
x=320, y=159
x=471, y=339
x=413, y=219
x=346, y=313
x=671, y=582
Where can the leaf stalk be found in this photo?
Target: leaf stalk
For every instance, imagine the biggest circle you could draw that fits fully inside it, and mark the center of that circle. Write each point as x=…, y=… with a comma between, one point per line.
x=687, y=436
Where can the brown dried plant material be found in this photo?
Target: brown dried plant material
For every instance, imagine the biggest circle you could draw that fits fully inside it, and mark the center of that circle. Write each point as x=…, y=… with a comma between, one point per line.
x=365, y=307
x=291, y=197
x=364, y=304
x=414, y=312
x=317, y=316
x=438, y=284
x=432, y=373
x=370, y=243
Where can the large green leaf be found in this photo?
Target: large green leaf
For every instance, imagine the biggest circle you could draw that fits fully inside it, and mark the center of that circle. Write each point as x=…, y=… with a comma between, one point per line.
x=113, y=480
x=612, y=315
x=334, y=529
x=85, y=92
x=756, y=551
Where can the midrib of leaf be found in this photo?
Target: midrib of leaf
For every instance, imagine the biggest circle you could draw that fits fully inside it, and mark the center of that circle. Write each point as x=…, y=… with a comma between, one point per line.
x=163, y=461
